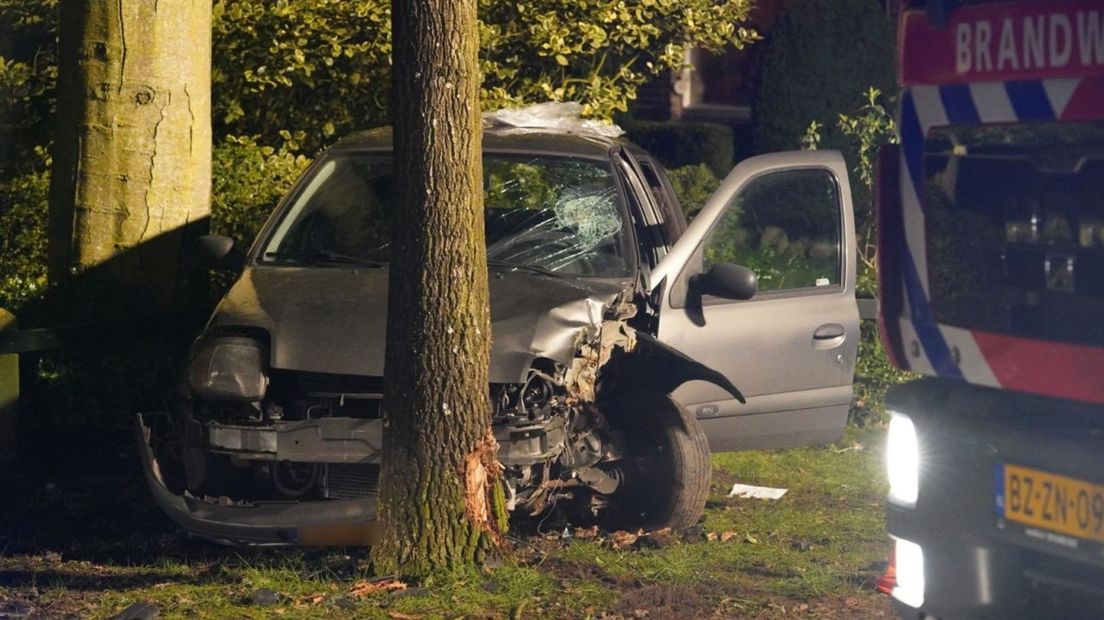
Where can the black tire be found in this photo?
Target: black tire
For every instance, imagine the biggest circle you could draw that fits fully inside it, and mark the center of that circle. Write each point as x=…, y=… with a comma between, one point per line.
x=666, y=467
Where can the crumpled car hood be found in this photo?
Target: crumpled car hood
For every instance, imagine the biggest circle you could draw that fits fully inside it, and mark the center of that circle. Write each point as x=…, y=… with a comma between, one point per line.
x=333, y=319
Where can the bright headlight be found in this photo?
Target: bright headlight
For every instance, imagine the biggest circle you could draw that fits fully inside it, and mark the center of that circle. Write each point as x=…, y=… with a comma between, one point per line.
x=909, y=558
x=902, y=460
x=229, y=368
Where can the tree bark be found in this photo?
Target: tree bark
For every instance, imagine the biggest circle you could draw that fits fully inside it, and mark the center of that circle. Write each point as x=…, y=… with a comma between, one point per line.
x=132, y=157
x=438, y=500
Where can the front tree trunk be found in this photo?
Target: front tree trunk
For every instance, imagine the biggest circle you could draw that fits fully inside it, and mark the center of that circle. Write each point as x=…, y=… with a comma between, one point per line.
x=132, y=158
x=438, y=502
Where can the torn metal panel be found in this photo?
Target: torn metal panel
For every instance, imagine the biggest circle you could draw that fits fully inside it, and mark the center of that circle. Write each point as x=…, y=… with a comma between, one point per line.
x=594, y=345
x=657, y=367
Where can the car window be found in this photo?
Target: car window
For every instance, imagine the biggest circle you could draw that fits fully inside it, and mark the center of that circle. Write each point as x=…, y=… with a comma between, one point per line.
x=558, y=214
x=785, y=226
x=646, y=217
x=672, y=222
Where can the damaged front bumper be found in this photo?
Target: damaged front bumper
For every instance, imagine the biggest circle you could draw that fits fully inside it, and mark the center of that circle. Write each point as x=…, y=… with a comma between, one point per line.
x=331, y=522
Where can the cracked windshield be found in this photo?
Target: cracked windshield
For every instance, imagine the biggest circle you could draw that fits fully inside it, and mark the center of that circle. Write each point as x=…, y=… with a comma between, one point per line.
x=547, y=214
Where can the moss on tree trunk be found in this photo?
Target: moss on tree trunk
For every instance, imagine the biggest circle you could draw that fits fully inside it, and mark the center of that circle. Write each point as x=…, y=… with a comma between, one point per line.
x=132, y=157
x=437, y=494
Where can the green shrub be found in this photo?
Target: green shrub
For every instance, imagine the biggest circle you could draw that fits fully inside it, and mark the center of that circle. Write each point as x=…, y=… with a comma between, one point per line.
x=693, y=185
x=874, y=374
x=28, y=77
x=595, y=52
x=821, y=57
x=23, y=226
x=248, y=180
x=300, y=71
x=296, y=72
x=678, y=144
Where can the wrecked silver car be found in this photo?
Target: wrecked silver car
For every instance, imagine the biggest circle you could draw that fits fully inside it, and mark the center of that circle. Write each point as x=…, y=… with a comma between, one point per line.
x=620, y=336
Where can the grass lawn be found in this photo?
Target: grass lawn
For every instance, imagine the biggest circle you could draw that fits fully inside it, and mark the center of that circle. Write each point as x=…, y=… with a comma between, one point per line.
x=90, y=545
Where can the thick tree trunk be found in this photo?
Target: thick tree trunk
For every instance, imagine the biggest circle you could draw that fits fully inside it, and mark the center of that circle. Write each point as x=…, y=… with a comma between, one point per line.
x=132, y=158
x=437, y=498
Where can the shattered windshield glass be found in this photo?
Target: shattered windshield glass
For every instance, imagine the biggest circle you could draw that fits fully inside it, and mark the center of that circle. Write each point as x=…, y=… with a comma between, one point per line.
x=549, y=214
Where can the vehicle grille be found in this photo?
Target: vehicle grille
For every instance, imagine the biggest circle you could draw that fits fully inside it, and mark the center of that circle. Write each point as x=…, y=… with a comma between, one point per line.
x=313, y=394
x=351, y=481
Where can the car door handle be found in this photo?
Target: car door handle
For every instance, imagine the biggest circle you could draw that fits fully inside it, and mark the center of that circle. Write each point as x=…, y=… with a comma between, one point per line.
x=829, y=332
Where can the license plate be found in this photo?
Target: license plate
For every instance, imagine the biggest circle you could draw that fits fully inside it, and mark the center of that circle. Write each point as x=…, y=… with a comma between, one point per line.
x=1051, y=502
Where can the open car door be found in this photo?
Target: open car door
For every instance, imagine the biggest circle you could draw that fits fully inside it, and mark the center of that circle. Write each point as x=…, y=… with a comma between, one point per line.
x=791, y=347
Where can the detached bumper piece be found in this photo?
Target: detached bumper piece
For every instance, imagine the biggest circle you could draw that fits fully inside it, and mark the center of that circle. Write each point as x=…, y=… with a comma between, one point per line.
x=330, y=522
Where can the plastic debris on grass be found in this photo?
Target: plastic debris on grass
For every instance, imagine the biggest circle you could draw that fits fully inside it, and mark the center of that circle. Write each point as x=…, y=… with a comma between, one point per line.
x=747, y=490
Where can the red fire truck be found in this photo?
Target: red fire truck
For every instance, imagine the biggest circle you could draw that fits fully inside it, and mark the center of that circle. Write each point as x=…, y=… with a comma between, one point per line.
x=991, y=250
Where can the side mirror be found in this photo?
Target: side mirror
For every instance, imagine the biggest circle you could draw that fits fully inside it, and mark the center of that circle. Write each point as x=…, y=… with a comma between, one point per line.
x=726, y=280
x=216, y=252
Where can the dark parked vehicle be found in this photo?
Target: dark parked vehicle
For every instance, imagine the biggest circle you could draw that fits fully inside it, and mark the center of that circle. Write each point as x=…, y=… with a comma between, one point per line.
x=620, y=335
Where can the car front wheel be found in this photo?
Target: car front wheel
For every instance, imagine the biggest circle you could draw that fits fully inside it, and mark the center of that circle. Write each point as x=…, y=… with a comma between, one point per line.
x=665, y=468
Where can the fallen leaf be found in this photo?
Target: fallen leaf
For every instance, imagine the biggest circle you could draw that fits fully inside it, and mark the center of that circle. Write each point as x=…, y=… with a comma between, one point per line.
x=711, y=536
x=587, y=533
x=751, y=539
x=727, y=535
x=368, y=588
x=621, y=539
x=398, y=615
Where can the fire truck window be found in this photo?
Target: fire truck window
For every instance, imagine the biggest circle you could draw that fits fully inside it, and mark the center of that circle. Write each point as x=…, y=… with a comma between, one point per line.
x=786, y=227
x=1015, y=225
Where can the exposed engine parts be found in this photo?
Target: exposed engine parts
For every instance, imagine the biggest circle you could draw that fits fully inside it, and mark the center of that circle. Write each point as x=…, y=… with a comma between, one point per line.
x=553, y=433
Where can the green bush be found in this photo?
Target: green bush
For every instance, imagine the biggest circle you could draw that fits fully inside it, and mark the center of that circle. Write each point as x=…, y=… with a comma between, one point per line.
x=296, y=72
x=23, y=236
x=874, y=374
x=596, y=52
x=248, y=180
x=28, y=77
x=821, y=57
x=678, y=144
x=693, y=185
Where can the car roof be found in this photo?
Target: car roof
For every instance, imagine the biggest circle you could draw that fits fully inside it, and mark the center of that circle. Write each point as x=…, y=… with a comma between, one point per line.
x=505, y=139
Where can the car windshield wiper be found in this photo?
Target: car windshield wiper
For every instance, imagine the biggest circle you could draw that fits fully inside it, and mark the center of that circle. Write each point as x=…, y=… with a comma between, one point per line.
x=326, y=256
x=504, y=265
